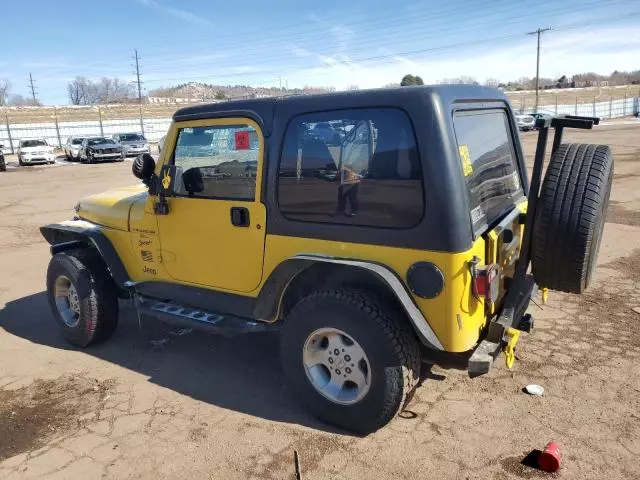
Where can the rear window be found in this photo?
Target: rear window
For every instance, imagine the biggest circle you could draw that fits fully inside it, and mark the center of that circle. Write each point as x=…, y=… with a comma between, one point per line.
x=355, y=167
x=489, y=164
x=76, y=141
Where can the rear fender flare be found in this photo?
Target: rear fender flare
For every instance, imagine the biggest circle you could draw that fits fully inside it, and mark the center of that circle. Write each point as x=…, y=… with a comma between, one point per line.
x=75, y=234
x=268, y=303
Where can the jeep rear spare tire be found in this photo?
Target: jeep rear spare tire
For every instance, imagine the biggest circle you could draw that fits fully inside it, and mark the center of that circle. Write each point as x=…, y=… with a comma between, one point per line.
x=82, y=296
x=570, y=216
x=352, y=360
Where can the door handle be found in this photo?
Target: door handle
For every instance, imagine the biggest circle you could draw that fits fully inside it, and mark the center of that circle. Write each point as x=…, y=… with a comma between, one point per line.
x=240, y=216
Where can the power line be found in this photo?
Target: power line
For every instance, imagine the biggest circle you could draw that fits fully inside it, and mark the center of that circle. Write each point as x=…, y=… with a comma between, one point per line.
x=538, y=32
x=33, y=89
x=402, y=53
x=137, y=58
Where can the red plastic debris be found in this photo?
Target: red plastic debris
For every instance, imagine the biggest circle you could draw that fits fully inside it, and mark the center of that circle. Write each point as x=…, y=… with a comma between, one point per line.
x=549, y=459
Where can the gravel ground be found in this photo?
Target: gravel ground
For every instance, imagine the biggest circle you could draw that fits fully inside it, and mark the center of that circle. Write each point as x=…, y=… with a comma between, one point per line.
x=160, y=402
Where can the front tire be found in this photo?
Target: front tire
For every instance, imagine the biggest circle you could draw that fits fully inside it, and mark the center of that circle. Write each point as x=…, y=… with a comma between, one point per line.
x=83, y=297
x=3, y=165
x=351, y=360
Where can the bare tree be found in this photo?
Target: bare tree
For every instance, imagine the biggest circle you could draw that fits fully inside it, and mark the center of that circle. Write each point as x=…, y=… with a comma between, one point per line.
x=5, y=88
x=464, y=79
x=108, y=90
x=20, y=101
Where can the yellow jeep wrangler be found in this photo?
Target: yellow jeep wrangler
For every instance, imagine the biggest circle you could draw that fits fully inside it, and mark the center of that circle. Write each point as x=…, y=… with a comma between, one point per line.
x=375, y=229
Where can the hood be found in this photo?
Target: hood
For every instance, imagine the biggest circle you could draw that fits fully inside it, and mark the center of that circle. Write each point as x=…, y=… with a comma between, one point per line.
x=111, y=208
x=103, y=145
x=40, y=148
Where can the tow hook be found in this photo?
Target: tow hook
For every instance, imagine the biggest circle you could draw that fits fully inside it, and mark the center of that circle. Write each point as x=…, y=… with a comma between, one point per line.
x=511, y=336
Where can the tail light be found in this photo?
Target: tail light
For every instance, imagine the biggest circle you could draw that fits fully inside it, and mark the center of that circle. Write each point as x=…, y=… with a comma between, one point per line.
x=485, y=281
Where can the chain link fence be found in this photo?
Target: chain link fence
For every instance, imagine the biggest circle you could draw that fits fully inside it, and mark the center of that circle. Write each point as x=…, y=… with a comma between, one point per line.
x=590, y=104
x=56, y=124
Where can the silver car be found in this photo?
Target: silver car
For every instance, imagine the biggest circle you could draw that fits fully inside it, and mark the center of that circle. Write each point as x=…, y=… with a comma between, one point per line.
x=72, y=148
x=132, y=143
x=525, y=122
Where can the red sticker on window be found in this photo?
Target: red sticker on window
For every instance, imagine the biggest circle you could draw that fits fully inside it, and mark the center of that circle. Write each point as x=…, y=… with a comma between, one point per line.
x=242, y=140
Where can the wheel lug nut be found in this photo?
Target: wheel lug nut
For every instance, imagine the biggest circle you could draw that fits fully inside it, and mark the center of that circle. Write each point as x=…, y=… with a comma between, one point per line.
x=338, y=371
x=330, y=360
x=348, y=370
x=336, y=352
x=347, y=358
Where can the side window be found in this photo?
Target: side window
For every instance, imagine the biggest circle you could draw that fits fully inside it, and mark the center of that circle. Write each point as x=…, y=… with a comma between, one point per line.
x=356, y=167
x=217, y=162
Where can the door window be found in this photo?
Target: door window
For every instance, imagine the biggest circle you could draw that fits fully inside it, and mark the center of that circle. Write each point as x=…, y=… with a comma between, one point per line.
x=217, y=162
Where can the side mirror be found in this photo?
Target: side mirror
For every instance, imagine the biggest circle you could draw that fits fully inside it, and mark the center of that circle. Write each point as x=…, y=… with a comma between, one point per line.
x=143, y=167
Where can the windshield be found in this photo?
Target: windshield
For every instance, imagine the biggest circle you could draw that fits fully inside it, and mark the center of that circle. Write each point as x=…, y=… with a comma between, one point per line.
x=489, y=165
x=132, y=137
x=76, y=141
x=98, y=141
x=34, y=143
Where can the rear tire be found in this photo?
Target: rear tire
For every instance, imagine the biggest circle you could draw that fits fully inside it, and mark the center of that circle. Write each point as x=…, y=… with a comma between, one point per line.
x=570, y=216
x=83, y=297
x=391, y=356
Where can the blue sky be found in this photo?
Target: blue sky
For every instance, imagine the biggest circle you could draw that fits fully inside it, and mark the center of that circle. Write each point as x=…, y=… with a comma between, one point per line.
x=367, y=43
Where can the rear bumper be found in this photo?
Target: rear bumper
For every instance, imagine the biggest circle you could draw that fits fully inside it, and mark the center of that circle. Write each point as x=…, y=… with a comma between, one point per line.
x=496, y=336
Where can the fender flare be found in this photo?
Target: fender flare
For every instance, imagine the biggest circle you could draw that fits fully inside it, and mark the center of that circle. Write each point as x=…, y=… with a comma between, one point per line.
x=267, y=304
x=73, y=234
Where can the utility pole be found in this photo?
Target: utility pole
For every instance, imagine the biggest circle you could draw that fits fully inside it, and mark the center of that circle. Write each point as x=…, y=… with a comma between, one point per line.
x=33, y=89
x=137, y=58
x=538, y=32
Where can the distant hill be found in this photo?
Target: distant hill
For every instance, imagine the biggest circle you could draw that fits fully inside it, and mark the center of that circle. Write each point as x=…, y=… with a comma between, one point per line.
x=197, y=91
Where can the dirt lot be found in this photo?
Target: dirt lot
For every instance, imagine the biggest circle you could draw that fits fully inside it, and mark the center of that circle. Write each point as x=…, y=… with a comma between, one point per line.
x=160, y=402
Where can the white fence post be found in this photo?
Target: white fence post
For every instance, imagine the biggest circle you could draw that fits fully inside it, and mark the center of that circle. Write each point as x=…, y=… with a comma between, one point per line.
x=624, y=105
x=610, y=104
x=55, y=117
x=556, y=103
x=100, y=118
x=576, y=109
x=6, y=117
x=594, y=107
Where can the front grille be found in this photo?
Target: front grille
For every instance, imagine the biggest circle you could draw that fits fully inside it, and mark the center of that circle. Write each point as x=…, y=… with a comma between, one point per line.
x=110, y=150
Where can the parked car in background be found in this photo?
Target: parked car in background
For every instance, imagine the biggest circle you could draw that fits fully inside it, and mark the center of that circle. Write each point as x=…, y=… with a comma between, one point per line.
x=3, y=164
x=538, y=115
x=35, y=150
x=525, y=122
x=132, y=143
x=100, y=149
x=72, y=148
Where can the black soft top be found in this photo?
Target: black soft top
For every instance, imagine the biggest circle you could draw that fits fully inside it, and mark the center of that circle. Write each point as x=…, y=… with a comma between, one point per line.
x=261, y=109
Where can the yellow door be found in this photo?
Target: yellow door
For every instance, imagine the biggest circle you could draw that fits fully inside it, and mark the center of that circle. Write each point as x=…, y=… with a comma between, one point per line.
x=214, y=232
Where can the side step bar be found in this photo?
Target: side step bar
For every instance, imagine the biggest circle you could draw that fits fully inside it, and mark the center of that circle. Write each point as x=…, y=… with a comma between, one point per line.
x=184, y=316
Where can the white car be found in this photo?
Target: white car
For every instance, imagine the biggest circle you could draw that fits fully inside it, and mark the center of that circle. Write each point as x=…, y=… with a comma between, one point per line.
x=72, y=147
x=526, y=122
x=35, y=150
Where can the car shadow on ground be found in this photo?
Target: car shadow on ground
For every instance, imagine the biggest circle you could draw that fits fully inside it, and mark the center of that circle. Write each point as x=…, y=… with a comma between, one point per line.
x=241, y=373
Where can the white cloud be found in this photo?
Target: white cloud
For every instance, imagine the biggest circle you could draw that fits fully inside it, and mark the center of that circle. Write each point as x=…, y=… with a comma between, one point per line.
x=176, y=12
x=563, y=53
